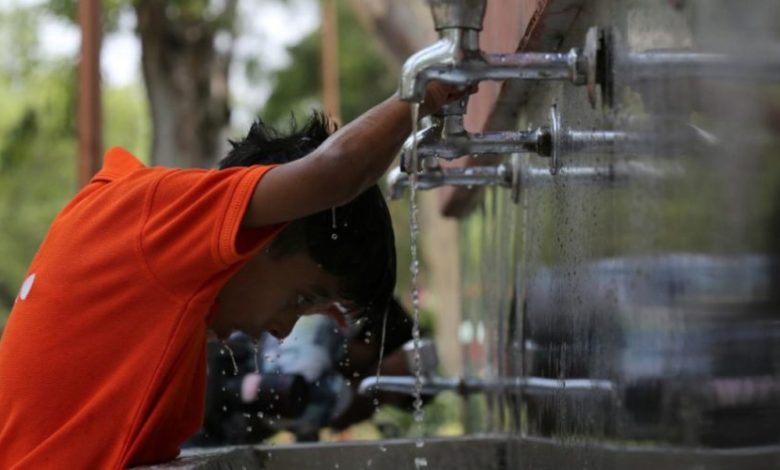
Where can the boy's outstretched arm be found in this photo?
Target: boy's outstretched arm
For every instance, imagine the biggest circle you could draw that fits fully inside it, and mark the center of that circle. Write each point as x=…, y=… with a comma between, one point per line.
x=347, y=163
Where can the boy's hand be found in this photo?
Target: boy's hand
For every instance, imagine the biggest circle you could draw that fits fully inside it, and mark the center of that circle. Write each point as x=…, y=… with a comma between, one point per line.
x=437, y=94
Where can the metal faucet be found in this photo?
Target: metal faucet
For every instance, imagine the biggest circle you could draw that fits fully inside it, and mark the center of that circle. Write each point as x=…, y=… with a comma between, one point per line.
x=457, y=59
x=430, y=178
x=510, y=175
x=428, y=383
x=446, y=138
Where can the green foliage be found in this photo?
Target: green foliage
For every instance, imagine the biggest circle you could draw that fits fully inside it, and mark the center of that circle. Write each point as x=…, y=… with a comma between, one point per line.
x=37, y=161
x=68, y=9
x=443, y=417
x=18, y=40
x=38, y=143
x=126, y=120
x=363, y=75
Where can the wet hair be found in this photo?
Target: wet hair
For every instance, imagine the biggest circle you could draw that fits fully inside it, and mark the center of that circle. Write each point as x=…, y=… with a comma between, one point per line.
x=360, y=250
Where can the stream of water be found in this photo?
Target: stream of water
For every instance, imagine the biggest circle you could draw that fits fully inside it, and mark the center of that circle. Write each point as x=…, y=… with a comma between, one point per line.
x=419, y=414
x=232, y=356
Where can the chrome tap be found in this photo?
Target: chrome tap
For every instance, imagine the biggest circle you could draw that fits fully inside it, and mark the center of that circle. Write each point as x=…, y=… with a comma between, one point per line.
x=458, y=23
x=446, y=138
x=458, y=60
x=430, y=178
x=431, y=384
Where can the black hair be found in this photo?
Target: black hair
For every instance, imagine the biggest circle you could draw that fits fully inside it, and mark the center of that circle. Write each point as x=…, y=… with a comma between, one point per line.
x=354, y=242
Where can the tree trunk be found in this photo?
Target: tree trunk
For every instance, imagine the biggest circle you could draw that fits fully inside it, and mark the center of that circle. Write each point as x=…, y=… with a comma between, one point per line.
x=186, y=80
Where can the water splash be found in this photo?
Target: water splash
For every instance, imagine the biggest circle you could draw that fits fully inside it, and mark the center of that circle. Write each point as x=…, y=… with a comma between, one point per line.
x=232, y=357
x=381, y=355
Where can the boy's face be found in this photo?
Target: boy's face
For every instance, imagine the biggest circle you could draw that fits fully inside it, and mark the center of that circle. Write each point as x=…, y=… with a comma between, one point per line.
x=270, y=293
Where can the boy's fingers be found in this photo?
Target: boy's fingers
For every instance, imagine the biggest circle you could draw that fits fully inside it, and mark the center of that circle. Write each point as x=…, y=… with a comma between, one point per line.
x=338, y=312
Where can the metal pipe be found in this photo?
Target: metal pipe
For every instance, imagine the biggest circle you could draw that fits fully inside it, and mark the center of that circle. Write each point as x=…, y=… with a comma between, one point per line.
x=611, y=174
x=467, y=386
x=532, y=66
x=683, y=64
x=450, y=146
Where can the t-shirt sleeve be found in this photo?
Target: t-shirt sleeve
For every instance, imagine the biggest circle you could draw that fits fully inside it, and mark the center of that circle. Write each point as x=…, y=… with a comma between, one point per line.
x=192, y=227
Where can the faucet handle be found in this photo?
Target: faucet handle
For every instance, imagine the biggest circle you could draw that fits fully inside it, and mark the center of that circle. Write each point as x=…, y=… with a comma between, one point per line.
x=429, y=358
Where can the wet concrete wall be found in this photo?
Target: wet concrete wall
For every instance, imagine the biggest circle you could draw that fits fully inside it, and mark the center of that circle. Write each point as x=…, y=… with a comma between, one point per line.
x=656, y=274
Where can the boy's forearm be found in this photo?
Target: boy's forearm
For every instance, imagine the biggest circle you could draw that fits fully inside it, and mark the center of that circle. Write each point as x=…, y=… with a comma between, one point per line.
x=361, y=152
x=350, y=161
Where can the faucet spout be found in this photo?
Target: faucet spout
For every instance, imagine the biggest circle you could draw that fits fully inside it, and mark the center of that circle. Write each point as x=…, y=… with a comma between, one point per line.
x=456, y=46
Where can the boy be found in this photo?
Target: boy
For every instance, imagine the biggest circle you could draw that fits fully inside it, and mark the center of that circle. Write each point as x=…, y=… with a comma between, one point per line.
x=102, y=363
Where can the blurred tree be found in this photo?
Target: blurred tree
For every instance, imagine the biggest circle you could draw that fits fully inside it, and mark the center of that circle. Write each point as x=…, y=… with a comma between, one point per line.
x=364, y=76
x=186, y=53
x=38, y=141
x=400, y=26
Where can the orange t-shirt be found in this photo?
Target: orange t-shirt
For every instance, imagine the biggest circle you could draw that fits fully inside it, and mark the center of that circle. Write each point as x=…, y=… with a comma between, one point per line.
x=102, y=362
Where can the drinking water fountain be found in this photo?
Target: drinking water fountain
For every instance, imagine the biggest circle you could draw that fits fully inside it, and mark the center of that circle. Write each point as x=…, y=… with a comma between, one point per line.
x=456, y=58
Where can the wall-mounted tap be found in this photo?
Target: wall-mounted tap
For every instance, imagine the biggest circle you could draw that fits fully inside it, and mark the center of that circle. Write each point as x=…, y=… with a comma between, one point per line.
x=510, y=175
x=431, y=384
x=457, y=58
x=446, y=138
x=430, y=178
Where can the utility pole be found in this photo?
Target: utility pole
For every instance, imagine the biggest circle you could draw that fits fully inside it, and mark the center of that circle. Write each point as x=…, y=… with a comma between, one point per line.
x=330, y=61
x=90, y=129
